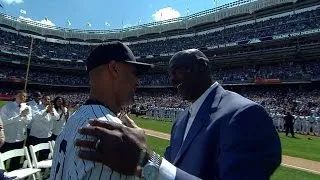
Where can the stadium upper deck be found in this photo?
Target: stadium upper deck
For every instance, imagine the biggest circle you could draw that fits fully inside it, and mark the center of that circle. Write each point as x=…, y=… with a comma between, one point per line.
x=237, y=8
x=278, y=37
x=285, y=19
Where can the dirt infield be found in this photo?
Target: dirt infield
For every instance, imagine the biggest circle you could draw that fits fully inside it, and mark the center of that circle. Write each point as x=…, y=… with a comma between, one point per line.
x=157, y=134
x=287, y=161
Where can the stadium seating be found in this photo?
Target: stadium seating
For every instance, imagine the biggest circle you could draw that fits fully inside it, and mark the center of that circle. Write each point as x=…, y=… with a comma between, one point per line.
x=288, y=72
x=275, y=26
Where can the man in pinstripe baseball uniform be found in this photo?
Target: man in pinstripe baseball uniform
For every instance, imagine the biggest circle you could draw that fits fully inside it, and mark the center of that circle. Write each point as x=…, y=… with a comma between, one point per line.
x=113, y=72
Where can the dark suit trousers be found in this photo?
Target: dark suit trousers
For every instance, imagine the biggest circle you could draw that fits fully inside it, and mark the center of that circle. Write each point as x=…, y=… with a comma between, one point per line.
x=53, y=137
x=14, y=162
x=43, y=154
x=289, y=128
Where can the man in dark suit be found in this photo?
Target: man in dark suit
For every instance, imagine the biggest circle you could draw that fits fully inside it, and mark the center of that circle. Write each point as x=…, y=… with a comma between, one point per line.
x=288, y=124
x=221, y=136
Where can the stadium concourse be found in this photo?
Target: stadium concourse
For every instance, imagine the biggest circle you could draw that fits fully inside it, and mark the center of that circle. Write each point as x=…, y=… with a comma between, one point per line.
x=270, y=56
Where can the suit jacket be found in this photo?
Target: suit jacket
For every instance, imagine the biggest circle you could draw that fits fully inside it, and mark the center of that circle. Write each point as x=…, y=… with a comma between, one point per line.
x=231, y=138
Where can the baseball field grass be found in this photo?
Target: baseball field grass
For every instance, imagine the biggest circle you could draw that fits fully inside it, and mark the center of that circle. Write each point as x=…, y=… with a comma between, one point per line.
x=2, y=103
x=158, y=145
x=156, y=125
x=298, y=147
x=301, y=146
x=282, y=173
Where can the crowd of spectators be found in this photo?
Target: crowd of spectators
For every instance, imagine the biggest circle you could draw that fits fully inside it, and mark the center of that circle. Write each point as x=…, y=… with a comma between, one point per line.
x=281, y=25
x=299, y=101
x=286, y=72
x=304, y=102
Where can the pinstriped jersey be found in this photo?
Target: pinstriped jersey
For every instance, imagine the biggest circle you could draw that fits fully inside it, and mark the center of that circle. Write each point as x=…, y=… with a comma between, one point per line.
x=66, y=164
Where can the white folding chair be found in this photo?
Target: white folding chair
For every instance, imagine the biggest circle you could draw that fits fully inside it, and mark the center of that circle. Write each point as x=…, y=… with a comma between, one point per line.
x=25, y=171
x=45, y=164
x=52, y=144
x=34, y=149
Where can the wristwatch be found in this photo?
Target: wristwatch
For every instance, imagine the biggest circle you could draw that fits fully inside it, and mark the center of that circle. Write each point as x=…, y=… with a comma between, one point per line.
x=150, y=171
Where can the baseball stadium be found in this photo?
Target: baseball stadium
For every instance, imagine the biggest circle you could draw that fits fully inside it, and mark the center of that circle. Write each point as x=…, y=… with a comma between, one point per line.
x=265, y=50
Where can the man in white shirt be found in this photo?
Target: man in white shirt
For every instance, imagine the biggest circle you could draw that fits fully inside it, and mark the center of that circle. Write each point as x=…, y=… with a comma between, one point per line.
x=60, y=107
x=34, y=104
x=311, y=124
x=41, y=129
x=113, y=72
x=297, y=124
x=16, y=116
x=2, y=139
x=2, y=136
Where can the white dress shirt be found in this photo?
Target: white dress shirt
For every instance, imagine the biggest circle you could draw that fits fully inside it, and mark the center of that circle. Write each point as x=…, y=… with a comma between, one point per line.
x=194, y=108
x=168, y=171
x=34, y=107
x=59, y=124
x=2, y=136
x=43, y=122
x=15, y=126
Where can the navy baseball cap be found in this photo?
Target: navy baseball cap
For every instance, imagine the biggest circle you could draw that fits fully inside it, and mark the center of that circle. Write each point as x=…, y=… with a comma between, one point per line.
x=187, y=58
x=116, y=51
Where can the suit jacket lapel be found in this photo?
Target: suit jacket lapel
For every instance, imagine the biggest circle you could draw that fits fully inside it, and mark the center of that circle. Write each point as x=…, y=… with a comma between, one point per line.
x=202, y=116
x=177, y=139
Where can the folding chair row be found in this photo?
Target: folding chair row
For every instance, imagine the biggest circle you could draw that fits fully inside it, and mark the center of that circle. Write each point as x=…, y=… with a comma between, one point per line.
x=26, y=171
x=30, y=167
x=39, y=147
x=43, y=164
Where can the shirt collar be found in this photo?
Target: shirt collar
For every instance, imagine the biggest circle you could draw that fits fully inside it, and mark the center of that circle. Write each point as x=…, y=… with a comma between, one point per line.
x=15, y=102
x=96, y=102
x=35, y=102
x=194, y=108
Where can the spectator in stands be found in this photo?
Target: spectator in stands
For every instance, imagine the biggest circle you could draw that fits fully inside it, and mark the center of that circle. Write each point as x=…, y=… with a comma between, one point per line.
x=16, y=116
x=215, y=139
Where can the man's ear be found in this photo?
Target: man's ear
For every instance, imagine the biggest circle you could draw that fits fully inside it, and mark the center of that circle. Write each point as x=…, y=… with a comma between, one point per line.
x=113, y=68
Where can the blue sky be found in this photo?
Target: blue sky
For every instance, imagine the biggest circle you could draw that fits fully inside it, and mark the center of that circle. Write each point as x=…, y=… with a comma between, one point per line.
x=103, y=14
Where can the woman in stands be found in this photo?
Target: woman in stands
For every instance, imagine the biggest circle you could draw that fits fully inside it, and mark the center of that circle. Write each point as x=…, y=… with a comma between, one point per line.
x=60, y=106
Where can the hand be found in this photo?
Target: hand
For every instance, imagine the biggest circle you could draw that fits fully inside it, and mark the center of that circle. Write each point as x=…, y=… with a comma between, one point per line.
x=119, y=148
x=50, y=109
x=25, y=112
x=63, y=110
x=126, y=120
